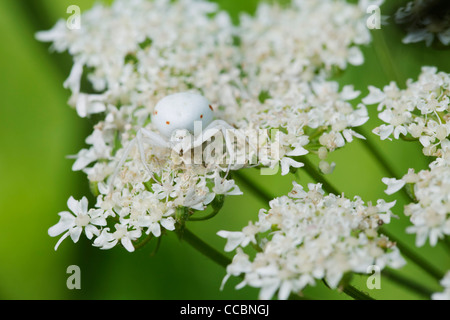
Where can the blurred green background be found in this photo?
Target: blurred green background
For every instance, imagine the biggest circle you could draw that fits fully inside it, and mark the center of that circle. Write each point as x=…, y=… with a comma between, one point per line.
x=38, y=130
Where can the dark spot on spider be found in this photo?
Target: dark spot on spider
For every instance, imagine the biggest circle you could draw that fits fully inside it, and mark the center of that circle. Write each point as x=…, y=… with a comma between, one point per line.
x=201, y=116
x=211, y=108
x=167, y=122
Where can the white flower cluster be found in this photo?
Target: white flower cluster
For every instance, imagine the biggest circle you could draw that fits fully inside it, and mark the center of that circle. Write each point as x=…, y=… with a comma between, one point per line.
x=319, y=37
x=307, y=236
x=445, y=283
x=288, y=55
x=137, y=52
x=260, y=75
x=421, y=112
x=133, y=54
x=430, y=211
x=425, y=20
x=311, y=116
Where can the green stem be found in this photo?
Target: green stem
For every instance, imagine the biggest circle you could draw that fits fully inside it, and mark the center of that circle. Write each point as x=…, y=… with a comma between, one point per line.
x=356, y=294
x=414, y=257
x=158, y=244
x=407, y=283
x=216, y=205
x=297, y=296
x=207, y=217
x=317, y=133
x=372, y=148
x=143, y=242
x=255, y=188
x=409, y=139
x=205, y=248
x=256, y=247
x=351, y=291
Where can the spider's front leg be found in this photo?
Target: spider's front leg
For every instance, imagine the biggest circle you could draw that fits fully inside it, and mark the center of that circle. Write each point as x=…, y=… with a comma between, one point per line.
x=227, y=132
x=142, y=135
x=151, y=138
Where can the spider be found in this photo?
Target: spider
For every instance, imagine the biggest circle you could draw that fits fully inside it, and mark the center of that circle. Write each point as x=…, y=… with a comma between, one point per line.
x=175, y=117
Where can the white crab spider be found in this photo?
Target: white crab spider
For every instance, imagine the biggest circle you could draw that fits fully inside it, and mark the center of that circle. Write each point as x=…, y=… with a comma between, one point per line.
x=174, y=117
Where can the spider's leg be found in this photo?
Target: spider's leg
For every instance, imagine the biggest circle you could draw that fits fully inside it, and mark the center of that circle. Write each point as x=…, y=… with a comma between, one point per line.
x=153, y=139
x=121, y=162
x=229, y=146
x=141, y=152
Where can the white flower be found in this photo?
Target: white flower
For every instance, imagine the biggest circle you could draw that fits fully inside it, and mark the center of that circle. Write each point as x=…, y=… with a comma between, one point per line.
x=122, y=234
x=238, y=238
x=286, y=163
x=76, y=221
x=445, y=283
x=87, y=104
x=312, y=236
x=375, y=96
x=241, y=263
x=429, y=214
x=99, y=150
x=297, y=191
x=225, y=187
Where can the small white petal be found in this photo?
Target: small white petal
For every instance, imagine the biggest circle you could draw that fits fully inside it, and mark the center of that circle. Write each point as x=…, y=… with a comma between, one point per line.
x=168, y=223
x=286, y=163
x=393, y=185
x=375, y=96
x=75, y=233
x=127, y=244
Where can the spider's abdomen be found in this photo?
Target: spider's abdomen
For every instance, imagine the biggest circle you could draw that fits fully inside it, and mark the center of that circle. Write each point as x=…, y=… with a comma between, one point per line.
x=180, y=111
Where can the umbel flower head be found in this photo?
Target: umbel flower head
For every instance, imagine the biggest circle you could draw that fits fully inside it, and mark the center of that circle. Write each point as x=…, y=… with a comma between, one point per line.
x=425, y=20
x=319, y=37
x=308, y=236
x=132, y=63
x=430, y=211
x=79, y=220
x=421, y=111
